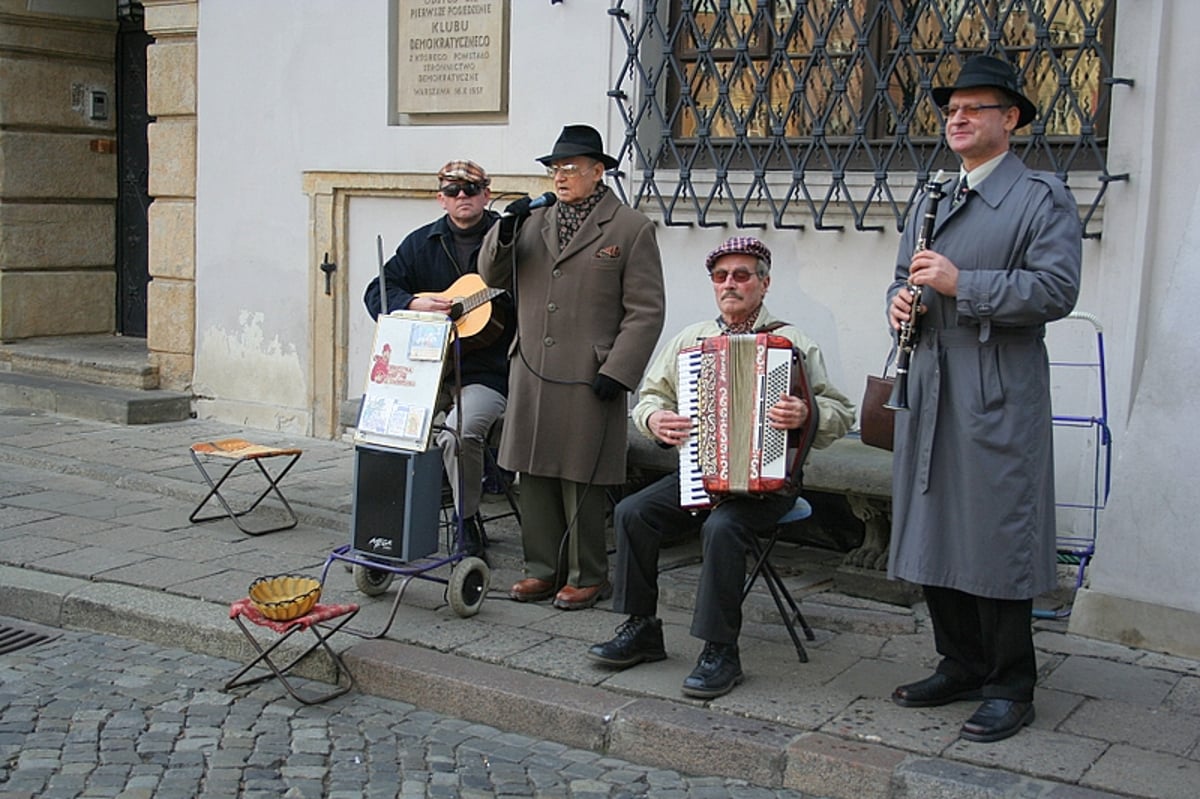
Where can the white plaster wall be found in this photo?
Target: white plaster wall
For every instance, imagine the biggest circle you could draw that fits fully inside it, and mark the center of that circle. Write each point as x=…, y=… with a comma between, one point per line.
x=286, y=87
x=1147, y=549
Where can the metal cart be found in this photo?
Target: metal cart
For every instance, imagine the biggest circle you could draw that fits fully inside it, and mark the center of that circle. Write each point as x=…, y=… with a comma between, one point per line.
x=399, y=497
x=1083, y=442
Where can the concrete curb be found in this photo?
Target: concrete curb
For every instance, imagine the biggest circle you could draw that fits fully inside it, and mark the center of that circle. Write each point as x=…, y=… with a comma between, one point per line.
x=649, y=731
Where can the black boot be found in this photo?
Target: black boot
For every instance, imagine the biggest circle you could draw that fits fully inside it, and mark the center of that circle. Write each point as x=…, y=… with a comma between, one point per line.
x=474, y=541
x=640, y=638
x=717, y=671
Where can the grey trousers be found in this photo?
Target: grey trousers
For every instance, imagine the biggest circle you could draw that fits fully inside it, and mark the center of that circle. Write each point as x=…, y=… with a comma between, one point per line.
x=481, y=407
x=562, y=530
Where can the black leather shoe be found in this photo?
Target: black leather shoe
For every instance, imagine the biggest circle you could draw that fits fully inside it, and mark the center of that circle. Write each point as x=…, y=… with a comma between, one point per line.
x=717, y=671
x=934, y=691
x=997, y=719
x=639, y=639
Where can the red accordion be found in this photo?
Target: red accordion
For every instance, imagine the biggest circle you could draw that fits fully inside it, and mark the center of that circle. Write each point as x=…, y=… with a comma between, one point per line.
x=727, y=384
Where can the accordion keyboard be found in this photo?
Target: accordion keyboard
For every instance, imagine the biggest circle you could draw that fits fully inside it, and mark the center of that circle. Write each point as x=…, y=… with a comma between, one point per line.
x=691, y=477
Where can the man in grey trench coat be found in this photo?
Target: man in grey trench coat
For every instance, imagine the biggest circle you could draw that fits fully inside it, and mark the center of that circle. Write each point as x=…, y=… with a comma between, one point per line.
x=973, y=477
x=587, y=278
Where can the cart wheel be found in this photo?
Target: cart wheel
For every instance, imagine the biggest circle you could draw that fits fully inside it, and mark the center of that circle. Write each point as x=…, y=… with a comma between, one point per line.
x=468, y=586
x=371, y=582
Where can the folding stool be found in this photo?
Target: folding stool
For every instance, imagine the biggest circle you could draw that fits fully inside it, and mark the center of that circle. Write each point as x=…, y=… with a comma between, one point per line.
x=244, y=609
x=240, y=451
x=779, y=591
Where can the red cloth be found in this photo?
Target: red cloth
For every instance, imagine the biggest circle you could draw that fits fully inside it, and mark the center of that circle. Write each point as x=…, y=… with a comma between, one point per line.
x=319, y=613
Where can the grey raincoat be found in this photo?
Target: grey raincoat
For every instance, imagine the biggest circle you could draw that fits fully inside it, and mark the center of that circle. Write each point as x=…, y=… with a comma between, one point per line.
x=973, y=475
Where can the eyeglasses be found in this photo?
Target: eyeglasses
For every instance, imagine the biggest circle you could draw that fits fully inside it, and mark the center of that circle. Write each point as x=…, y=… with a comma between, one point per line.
x=469, y=189
x=567, y=170
x=719, y=276
x=970, y=111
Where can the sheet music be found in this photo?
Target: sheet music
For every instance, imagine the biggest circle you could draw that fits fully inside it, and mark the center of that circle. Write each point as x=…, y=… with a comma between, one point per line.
x=691, y=480
x=408, y=357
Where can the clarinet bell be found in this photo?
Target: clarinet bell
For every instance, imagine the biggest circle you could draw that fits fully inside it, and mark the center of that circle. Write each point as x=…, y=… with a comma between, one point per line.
x=898, y=401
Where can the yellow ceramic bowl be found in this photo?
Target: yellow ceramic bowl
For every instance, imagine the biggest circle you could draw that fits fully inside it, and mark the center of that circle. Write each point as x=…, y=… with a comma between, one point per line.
x=283, y=597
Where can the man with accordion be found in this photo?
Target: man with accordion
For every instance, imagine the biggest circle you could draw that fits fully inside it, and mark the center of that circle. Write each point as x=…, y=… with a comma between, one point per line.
x=740, y=273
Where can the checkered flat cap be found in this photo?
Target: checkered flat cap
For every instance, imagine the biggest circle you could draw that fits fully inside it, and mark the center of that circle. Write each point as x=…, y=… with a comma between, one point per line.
x=464, y=172
x=747, y=245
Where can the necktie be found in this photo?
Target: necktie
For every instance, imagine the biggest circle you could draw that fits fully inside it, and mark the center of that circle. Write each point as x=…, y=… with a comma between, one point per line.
x=961, y=192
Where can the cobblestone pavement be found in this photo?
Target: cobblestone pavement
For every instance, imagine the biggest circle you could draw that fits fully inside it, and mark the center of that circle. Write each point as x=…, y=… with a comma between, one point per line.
x=89, y=715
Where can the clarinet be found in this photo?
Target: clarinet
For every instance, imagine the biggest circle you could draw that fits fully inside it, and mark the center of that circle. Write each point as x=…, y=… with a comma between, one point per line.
x=906, y=340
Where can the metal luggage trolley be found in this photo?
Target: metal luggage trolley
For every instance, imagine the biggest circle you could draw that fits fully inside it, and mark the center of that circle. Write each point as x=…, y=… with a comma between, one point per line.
x=398, y=536
x=397, y=481
x=1083, y=461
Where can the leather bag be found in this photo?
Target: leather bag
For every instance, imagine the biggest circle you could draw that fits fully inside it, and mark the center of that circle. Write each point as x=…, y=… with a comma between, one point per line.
x=877, y=423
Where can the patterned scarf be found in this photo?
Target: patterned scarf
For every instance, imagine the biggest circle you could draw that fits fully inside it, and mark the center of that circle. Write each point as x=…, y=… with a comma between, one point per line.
x=746, y=326
x=571, y=216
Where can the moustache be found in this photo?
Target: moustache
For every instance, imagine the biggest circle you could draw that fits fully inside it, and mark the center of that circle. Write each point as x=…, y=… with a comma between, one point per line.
x=731, y=294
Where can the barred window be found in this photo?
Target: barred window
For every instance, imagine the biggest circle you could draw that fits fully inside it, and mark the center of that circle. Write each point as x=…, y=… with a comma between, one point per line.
x=793, y=108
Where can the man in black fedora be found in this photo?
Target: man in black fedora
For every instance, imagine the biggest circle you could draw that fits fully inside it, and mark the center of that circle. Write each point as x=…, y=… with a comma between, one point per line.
x=587, y=278
x=973, y=518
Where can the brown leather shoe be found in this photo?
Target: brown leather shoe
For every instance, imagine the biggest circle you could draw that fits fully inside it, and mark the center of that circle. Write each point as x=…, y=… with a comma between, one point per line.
x=531, y=589
x=572, y=598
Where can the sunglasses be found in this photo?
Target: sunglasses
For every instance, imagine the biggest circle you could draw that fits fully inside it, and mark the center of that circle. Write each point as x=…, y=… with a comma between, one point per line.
x=739, y=275
x=469, y=189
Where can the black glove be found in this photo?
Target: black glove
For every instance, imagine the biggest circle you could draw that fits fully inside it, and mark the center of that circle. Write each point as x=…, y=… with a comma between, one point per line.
x=508, y=229
x=606, y=388
x=519, y=207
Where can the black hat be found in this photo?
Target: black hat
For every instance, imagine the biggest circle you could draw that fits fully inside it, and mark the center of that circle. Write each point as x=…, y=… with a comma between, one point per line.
x=579, y=140
x=984, y=70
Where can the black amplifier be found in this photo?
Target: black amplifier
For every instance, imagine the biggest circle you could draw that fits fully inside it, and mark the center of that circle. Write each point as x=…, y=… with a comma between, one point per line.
x=397, y=496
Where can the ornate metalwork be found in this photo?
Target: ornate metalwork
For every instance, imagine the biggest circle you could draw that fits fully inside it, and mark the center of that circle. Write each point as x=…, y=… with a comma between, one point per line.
x=795, y=112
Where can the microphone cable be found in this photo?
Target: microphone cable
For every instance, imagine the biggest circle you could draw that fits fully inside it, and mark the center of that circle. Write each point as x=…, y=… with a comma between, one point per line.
x=589, y=484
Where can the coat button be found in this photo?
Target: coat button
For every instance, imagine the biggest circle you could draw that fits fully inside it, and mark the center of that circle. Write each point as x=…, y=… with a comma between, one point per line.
x=548, y=341
x=556, y=273
x=551, y=307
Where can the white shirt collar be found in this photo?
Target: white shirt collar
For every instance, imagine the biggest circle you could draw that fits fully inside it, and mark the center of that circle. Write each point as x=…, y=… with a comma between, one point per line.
x=977, y=175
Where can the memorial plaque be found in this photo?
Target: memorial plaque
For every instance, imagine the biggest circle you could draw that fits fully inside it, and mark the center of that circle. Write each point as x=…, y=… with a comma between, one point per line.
x=451, y=56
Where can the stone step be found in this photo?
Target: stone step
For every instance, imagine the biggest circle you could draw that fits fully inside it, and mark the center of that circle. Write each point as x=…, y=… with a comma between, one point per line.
x=104, y=360
x=102, y=377
x=90, y=401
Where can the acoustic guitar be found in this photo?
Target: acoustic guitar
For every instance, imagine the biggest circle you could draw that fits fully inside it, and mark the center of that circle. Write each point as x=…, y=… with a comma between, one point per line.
x=475, y=318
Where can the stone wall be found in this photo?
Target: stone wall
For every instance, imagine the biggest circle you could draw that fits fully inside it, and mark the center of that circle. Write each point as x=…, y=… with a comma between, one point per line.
x=171, y=99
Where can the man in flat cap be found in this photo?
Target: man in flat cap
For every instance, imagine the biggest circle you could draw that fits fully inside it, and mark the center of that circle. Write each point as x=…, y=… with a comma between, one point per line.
x=740, y=272
x=973, y=472
x=429, y=261
x=587, y=278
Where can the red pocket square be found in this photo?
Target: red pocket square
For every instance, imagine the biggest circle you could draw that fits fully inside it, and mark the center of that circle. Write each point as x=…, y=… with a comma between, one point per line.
x=611, y=251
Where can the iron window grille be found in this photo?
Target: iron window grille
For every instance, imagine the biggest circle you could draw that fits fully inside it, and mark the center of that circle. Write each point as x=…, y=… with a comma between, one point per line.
x=820, y=111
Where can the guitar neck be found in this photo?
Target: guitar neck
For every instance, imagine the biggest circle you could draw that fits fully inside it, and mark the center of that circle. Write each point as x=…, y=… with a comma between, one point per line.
x=473, y=301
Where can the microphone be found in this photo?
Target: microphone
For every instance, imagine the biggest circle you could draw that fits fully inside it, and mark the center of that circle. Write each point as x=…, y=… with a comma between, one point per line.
x=544, y=201
x=522, y=206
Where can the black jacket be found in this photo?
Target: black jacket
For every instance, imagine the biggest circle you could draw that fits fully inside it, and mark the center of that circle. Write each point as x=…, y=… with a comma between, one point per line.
x=425, y=262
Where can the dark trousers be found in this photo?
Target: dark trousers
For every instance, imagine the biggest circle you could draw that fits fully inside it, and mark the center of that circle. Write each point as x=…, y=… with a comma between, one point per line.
x=985, y=642
x=640, y=522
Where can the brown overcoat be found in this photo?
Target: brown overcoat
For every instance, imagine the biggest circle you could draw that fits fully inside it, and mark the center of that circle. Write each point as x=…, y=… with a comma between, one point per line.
x=595, y=307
